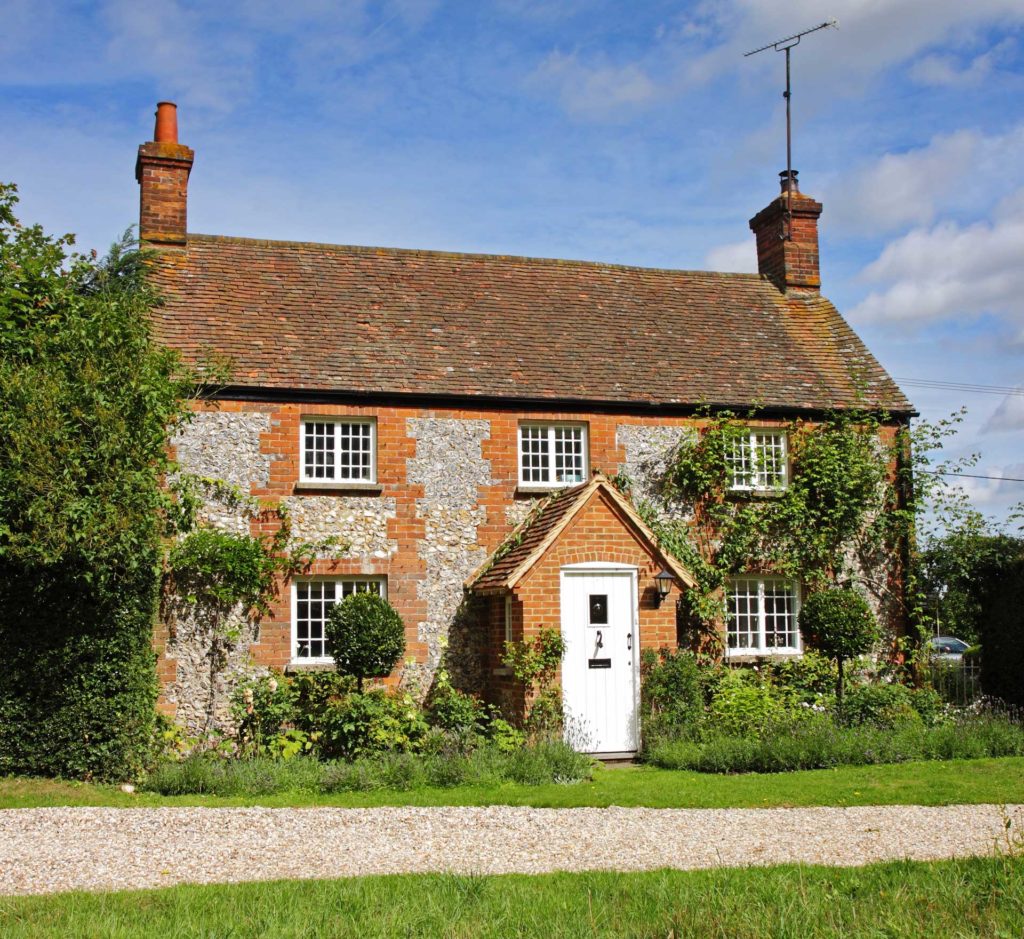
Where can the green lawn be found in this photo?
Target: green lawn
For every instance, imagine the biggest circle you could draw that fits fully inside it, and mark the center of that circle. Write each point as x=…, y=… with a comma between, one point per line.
x=931, y=783
x=948, y=899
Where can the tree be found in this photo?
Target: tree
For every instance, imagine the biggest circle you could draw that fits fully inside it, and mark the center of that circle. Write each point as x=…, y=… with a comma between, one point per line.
x=86, y=401
x=366, y=636
x=839, y=623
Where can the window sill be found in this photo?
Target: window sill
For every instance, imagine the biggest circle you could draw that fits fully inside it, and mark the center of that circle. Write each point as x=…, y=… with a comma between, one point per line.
x=747, y=656
x=299, y=665
x=368, y=489
x=534, y=491
x=757, y=493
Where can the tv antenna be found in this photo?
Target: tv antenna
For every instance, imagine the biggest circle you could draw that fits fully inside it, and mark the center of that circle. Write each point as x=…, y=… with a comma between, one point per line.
x=784, y=45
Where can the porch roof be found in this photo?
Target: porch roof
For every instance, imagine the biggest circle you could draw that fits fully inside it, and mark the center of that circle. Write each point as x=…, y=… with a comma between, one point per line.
x=527, y=544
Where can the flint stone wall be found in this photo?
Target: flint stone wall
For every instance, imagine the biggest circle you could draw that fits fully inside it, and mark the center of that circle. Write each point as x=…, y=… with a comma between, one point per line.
x=211, y=652
x=649, y=451
x=450, y=467
x=361, y=522
x=225, y=446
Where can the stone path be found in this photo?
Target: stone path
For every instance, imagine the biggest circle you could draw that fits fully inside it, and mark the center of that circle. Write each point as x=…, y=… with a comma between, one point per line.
x=47, y=850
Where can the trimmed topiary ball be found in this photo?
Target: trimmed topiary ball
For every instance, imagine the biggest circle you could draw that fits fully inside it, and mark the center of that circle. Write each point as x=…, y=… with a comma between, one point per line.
x=839, y=623
x=366, y=636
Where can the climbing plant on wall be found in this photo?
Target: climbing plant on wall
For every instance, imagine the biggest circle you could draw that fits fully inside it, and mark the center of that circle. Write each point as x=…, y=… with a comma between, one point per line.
x=845, y=501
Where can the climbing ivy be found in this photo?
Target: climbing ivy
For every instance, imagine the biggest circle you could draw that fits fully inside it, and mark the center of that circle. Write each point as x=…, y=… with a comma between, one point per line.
x=843, y=503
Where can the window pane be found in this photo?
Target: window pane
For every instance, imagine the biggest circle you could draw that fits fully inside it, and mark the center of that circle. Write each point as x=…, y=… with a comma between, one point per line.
x=568, y=454
x=740, y=463
x=779, y=615
x=535, y=455
x=318, y=450
x=770, y=459
x=742, y=625
x=355, y=449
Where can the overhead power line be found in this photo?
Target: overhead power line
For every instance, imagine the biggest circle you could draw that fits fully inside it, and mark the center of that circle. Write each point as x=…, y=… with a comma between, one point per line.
x=962, y=386
x=1002, y=479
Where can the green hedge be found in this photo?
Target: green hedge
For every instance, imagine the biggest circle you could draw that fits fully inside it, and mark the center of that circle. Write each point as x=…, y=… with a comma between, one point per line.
x=1002, y=631
x=78, y=685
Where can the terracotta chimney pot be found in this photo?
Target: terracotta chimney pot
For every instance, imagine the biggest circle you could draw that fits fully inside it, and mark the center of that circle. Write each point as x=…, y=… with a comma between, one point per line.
x=166, y=123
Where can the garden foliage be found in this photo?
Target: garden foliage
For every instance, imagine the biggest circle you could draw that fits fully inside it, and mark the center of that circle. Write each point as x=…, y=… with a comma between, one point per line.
x=839, y=623
x=366, y=636
x=86, y=400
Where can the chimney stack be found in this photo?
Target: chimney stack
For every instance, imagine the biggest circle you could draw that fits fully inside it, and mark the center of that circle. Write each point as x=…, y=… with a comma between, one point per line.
x=162, y=170
x=787, y=239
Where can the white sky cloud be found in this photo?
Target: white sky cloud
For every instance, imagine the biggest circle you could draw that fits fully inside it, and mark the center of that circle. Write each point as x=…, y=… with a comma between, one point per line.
x=952, y=271
x=1009, y=415
x=740, y=257
x=594, y=92
x=964, y=170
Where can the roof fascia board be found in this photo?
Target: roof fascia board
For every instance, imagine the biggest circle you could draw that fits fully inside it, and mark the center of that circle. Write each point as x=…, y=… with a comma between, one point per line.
x=271, y=395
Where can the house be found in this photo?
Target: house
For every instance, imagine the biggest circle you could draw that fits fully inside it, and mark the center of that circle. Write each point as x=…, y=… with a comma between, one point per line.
x=454, y=419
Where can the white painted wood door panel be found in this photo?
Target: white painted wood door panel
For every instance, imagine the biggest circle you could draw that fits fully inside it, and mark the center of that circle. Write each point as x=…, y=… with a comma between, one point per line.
x=601, y=665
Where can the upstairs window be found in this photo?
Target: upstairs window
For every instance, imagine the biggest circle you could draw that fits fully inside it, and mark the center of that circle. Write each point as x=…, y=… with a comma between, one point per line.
x=762, y=616
x=552, y=455
x=338, y=451
x=758, y=461
x=313, y=600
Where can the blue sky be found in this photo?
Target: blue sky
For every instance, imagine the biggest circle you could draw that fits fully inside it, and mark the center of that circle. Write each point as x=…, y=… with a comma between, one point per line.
x=634, y=133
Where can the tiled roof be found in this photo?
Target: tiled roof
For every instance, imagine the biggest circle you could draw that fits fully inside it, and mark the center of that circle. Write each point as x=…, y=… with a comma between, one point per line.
x=373, y=320
x=514, y=558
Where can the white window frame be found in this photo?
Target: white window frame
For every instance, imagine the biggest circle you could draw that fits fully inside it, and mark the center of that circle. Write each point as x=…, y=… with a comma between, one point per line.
x=339, y=582
x=551, y=427
x=337, y=480
x=762, y=649
x=752, y=448
x=508, y=617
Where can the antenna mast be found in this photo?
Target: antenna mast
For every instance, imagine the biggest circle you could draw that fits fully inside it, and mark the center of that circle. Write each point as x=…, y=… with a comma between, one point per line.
x=784, y=45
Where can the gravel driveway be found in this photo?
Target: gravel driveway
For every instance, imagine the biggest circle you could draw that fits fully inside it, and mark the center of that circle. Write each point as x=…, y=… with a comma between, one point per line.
x=47, y=850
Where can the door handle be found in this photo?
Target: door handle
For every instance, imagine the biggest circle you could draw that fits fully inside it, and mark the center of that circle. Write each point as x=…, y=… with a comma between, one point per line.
x=629, y=640
x=600, y=640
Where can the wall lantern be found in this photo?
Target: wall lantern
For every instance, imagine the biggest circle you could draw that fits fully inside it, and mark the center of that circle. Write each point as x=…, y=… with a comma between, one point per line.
x=663, y=582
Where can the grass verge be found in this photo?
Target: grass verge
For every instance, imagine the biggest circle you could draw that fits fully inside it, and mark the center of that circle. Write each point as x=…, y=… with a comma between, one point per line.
x=976, y=897
x=927, y=783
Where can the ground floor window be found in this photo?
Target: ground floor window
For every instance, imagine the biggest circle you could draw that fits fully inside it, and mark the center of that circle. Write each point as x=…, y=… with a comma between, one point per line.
x=762, y=616
x=311, y=602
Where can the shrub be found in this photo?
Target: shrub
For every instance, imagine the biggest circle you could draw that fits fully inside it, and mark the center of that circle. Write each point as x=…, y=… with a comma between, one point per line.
x=454, y=710
x=839, y=623
x=366, y=636
x=671, y=688
x=313, y=693
x=809, y=678
x=535, y=663
x=879, y=704
x=373, y=722
x=743, y=704
x=261, y=707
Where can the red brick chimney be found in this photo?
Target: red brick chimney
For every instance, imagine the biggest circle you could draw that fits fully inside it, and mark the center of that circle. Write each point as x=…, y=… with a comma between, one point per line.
x=162, y=172
x=787, y=239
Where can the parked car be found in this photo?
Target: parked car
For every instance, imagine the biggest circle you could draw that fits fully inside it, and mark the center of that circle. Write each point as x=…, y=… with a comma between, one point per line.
x=947, y=647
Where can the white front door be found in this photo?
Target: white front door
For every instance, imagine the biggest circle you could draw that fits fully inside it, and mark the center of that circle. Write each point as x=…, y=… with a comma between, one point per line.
x=600, y=671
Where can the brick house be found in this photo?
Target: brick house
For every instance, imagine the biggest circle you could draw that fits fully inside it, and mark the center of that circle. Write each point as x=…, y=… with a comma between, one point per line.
x=424, y=406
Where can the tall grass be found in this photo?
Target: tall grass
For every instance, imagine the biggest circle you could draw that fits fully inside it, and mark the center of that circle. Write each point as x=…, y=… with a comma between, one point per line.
x=821, y=743
x=206, y=774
